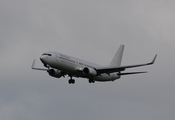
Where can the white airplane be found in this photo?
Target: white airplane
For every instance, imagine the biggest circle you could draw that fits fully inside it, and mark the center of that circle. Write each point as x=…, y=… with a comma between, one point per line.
x=59, y=65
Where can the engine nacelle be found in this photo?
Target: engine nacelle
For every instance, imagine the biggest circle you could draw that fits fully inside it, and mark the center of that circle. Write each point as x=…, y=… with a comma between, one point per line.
x=89, y=72
x=55, y=73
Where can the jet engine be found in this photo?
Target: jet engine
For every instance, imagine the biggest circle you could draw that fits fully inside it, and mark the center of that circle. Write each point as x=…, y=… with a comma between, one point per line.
x=89, y=72
x=54, y=73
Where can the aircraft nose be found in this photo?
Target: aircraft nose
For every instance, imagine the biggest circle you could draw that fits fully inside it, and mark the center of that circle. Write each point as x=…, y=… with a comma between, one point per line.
x=42, y=58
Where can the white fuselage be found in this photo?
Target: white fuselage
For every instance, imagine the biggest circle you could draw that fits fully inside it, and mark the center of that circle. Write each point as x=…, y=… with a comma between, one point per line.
x=58, y=65
x=73, y=66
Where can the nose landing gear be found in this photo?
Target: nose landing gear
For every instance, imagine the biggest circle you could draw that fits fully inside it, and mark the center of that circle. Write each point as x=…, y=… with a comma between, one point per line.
x=71, y=81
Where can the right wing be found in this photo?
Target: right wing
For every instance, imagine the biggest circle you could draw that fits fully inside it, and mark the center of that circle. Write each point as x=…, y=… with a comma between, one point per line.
x=122, y=68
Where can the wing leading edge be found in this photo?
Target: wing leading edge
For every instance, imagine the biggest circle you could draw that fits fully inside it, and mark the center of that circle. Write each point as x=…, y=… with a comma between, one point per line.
x=122, y=68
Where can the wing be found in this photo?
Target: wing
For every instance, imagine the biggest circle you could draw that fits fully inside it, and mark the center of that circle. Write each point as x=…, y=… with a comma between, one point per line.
x=122, y=68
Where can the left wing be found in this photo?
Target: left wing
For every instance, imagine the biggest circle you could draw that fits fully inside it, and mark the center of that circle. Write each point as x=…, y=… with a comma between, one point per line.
x=34, y=68
x=122, y=68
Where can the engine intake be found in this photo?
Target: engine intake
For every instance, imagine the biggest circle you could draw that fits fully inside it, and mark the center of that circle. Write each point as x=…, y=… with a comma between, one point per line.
x=89, y=72
x=55, y=73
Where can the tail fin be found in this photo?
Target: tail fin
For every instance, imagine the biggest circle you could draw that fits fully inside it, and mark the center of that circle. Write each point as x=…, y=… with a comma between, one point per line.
x=116, y=61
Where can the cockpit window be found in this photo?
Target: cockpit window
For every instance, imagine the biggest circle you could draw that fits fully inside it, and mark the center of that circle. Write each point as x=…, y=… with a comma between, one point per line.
x=47, y=54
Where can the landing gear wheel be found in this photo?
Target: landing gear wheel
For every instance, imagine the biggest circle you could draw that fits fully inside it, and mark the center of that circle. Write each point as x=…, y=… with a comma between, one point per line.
x=71, y=81
x=91, y=81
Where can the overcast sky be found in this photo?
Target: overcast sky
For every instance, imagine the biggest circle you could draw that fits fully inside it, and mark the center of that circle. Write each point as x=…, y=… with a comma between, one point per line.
x=91, y=30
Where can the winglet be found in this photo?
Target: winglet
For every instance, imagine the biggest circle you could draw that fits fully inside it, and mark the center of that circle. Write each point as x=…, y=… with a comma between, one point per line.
x=33, y=67
x=152, y=60
x=33, y=64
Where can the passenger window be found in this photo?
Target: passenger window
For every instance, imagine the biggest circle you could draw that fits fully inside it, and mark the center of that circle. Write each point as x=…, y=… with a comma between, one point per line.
x=47, y=54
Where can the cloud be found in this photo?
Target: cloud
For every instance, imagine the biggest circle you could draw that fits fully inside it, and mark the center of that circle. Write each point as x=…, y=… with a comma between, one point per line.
x=91, y=30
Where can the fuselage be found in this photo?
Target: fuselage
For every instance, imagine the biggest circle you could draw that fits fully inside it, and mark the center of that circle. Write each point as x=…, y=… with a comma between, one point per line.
x=58, y=65
x=74, y=66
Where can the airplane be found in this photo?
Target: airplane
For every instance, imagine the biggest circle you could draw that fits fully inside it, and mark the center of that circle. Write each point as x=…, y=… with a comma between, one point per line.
x=58, y=65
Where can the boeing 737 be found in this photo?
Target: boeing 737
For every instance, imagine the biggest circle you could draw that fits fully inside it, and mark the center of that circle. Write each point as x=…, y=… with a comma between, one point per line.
x=58, y=65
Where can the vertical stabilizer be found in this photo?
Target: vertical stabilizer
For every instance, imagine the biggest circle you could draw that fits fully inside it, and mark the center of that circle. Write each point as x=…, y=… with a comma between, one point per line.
x=116, y=61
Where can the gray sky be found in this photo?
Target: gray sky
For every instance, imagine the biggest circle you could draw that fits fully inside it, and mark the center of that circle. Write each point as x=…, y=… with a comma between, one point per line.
x=91, y=30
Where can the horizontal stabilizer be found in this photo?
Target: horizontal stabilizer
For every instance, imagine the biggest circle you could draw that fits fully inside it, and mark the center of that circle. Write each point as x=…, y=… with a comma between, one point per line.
x=130, y=73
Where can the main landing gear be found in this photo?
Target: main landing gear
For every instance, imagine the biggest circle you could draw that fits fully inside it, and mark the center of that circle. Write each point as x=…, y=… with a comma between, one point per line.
x=91, y=80
x=72, y=81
